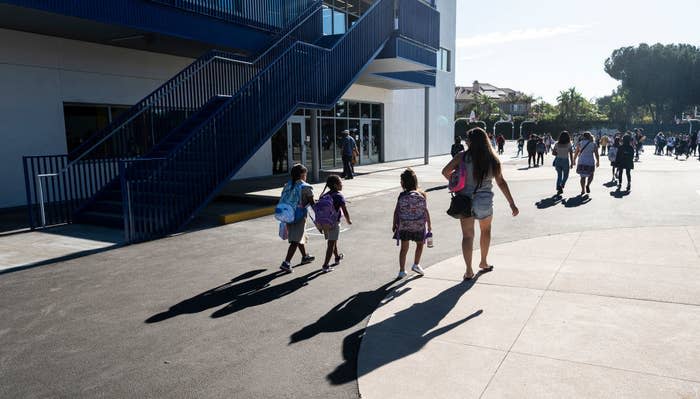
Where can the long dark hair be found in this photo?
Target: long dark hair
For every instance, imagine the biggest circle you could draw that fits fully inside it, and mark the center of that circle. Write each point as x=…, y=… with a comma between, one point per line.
x=564, y=138
x=484, y=160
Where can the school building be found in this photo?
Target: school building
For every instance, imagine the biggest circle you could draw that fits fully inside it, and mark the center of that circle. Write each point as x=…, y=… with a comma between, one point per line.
x=136, y=113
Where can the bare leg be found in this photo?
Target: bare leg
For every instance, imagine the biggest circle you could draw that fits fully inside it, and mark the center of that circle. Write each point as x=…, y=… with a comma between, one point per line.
x=290, y=252
x=335, y=249
x=419, y=253
x=485, y=241
x=468, y=245
x=402, y=255
x=302, y=249
x=329, y=252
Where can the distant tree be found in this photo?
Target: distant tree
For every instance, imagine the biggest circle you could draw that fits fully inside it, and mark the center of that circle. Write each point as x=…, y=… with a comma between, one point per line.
x=664, y=79
x=573, y=107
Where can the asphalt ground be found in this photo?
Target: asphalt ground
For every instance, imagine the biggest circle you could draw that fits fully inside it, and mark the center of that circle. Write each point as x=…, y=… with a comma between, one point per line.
x=208, y=314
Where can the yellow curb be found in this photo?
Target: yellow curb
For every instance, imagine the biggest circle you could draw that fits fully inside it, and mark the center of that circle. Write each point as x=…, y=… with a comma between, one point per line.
x=246, y=215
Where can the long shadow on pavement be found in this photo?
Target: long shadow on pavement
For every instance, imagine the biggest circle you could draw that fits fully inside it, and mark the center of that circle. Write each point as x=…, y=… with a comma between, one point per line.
x=549, y=202
x=416, y=321
x=350, y=311
x=576, y=201
x=226, y=293
x=266, y=295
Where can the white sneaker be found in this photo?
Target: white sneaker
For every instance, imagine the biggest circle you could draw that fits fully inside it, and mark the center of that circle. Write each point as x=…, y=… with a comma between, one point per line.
x=401, y=275
x=417, y=269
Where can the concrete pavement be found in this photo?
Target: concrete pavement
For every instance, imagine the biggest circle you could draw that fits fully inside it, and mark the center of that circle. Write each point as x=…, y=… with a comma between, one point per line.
x=206, y=314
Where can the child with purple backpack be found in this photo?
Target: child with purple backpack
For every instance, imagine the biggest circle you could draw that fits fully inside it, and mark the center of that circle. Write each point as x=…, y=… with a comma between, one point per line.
x=328, y=212
x=410, y=218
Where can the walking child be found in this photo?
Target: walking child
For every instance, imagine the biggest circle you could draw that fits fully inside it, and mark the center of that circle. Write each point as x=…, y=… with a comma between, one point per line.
x=410, y=218
x=297, y=195
x=329, y=209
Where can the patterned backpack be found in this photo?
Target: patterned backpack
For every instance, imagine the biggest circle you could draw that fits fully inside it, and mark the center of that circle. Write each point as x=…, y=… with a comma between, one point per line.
x=289, y=209
x=326, y=214
x=411, y=209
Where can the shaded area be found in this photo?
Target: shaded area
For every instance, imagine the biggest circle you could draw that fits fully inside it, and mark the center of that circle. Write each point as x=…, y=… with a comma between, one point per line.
x=417, y=321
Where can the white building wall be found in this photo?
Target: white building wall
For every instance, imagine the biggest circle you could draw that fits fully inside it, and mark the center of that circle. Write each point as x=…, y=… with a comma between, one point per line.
x=39, y=73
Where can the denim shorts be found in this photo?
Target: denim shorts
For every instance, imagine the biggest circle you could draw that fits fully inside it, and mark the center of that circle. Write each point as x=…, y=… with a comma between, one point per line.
x=482, y=205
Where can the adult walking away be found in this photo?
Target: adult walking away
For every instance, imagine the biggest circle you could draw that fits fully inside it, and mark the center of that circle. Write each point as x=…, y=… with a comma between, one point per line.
x=349, y=148
x=612, y=157
x=625, y=162
x=482, y=167
x=564, y=160
x=588, y=159
x=501, y=141
x=531, y=151
x=457, y=147
x=604, y=143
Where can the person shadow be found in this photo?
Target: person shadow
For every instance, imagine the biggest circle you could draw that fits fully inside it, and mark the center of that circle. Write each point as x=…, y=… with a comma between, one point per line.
x=417, y=320
x=549, y=202
x=619, y=194
x=269, y=294
x=243, y=288
x=351, y=311
x=577, y=201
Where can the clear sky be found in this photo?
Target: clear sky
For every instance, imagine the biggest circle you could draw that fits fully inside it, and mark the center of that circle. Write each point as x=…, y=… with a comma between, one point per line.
x=545, y=46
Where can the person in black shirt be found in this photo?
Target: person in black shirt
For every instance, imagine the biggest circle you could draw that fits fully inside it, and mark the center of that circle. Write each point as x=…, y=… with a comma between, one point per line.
x=531, y=151
x=625, y=161
x=457, y=147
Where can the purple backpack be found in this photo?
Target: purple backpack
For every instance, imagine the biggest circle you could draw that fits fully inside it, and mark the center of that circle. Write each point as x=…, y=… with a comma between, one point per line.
x=326, y=214
x=411, y=209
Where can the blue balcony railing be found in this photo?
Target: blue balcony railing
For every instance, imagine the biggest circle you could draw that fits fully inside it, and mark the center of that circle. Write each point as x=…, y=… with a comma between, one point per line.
x=420, y=22
x=273, y=14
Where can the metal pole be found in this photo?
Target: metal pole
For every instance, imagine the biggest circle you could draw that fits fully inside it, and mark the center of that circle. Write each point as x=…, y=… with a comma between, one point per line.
x=315, y=154
x=41, y=202
x=426, y=147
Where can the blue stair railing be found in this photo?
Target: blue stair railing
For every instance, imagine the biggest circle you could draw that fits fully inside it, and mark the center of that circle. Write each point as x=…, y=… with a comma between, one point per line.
x=58, y=186
x=162, y=195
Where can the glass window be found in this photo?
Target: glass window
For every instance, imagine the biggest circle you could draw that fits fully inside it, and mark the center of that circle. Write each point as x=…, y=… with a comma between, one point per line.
x=354, y=109
x=328, y=143
x=82, y=121
x=338, y=22
x=341, y=109
x=365, y=110
x=327, y=112
x=327, y=21
x=443, y=60
x=340, y=125
x=376, y=111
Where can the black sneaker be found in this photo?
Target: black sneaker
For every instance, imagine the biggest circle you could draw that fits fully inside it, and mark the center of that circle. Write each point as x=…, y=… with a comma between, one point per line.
x=338, y=259
x=327, y=268
x=307, y=259
x=286, y=267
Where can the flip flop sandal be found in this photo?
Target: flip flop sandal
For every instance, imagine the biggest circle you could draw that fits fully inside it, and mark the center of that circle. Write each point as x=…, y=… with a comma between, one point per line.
x=486, y=269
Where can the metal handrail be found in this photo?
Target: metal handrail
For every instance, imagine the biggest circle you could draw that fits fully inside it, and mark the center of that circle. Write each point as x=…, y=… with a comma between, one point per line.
x=186, y=75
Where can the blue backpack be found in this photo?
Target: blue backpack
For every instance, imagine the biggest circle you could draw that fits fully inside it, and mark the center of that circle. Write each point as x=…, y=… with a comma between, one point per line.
x=289, y=208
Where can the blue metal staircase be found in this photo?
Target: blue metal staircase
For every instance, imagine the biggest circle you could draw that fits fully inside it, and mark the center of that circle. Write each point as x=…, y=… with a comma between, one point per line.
x=174, y=151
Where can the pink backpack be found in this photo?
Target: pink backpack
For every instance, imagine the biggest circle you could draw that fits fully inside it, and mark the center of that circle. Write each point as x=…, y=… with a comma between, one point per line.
x=411, y=209
x=458, y=178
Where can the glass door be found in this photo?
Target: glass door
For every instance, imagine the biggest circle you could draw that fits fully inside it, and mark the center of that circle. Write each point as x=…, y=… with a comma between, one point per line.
x=296, y=141
x=365, y=142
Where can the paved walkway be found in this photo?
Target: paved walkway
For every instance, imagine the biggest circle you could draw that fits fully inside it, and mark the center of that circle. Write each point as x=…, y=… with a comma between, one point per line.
x=598, y=314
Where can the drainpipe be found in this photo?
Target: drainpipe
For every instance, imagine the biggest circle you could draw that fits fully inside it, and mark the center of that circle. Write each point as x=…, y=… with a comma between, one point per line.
x=426, y=155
